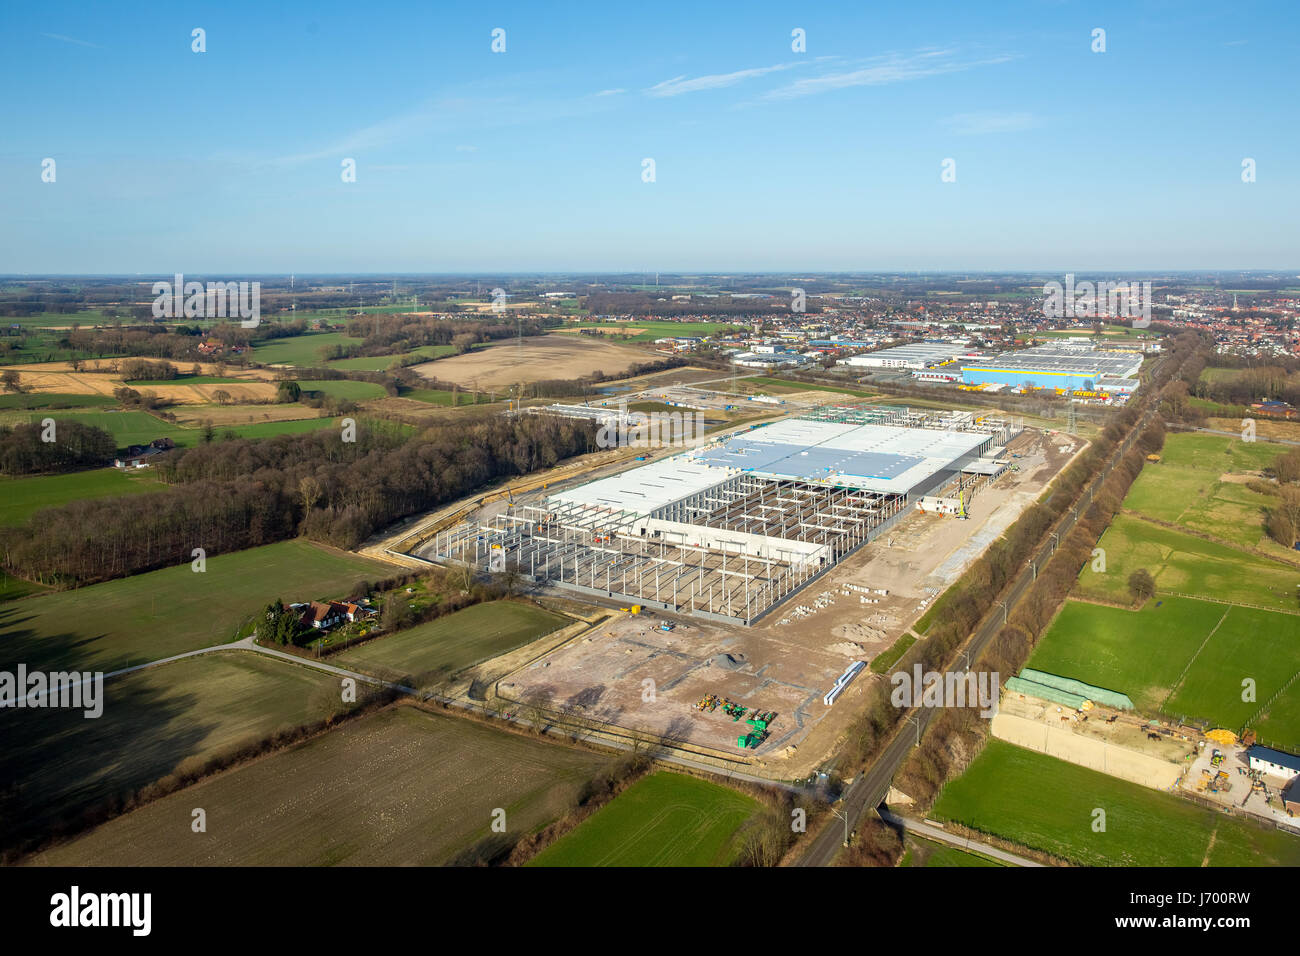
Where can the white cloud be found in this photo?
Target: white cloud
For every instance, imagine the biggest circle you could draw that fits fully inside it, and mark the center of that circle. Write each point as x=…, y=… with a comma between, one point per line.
x=62, y=38
x=681, y=84
x=881, y=71
x=611, y=92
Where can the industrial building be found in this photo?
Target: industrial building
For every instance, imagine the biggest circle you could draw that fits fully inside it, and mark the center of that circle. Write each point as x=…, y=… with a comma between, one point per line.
x=1063, y=365
x=728, y=530
x=916, y=356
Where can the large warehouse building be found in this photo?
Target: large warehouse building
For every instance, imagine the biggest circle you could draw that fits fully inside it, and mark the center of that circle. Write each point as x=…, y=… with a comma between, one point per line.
x=730, y=529
x=917, y=355
x=1065, y=366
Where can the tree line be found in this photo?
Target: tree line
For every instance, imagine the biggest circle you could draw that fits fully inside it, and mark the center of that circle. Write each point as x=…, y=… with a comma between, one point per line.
x=243, y=493
x=24, y=449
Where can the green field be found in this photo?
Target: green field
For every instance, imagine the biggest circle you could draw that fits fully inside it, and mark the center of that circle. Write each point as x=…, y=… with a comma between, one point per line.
x=924, y=853
x=1219, y=374
x=433, y=396
x=147, y=617
x=20, y=498
x=154, y=722
x=140, y=428
x=1113, y=333
x=301, y=349
x=270, y=429
x=779, y=383
x=428, y=652
x=1177, y=656
x=380, y=363
x=44, y=320
x=54, y=400
x=665, y=819
x=1186, y=564
x=189, y=380
x=128, y=428
x=655, y=329
x=1186, y=487
x=1048, y=804
x=1187, y=652
x=400, y=787
x=11, y=587
x=345, y=388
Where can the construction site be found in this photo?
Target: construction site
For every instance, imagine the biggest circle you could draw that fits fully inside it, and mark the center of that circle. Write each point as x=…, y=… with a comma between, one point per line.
x=798, y=666
x=728, y=530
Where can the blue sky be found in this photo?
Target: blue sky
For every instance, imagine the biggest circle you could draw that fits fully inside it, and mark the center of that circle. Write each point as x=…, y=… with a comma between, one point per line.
x=765, y=159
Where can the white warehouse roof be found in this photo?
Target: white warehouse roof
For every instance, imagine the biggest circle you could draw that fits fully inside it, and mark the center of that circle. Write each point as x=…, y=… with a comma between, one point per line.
x=888, y=459
x=883, y=458
x=643, y=489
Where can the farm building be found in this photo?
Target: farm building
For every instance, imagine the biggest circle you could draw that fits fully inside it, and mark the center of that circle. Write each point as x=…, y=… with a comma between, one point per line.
x=1275, y=763
x=322, y=615
x=1291, y=796
x=729, y=529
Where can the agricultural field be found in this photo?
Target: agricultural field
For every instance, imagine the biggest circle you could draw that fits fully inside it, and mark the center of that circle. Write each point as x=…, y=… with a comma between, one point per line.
x=186, y=380
x=302, y=350
x=1176, y=495
x=430, y=652
x=780, y=385
x=140, y=428
x=155, y=722
x=1186, y=564
x=1209, y=374
x=532, y=359
x=665, y=819
x=54, y=400
x=1220, y=615
x=60, y=378
x=1178, y=656
x=1047, y=804
x=1270, y=428
x=150, y=616
x=271, y=429
x=58, y=320
x=1200, y=483
x=128, y=428
x=1110, y=333
x=20, y=498
x=345, y=388
x=398, y=787
x=649, y=331
x=380, y=363
x=433, y=396
x=194, y=416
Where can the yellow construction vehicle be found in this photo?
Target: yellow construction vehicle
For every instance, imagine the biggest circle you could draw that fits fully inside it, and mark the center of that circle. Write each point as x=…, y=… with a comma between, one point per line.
x=634, y=609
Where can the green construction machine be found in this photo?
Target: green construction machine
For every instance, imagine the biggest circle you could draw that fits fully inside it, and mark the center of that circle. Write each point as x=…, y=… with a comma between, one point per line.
x=756, y=736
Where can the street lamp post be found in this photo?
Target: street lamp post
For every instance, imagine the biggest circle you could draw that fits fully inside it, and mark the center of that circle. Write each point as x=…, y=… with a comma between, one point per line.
x=846, y=825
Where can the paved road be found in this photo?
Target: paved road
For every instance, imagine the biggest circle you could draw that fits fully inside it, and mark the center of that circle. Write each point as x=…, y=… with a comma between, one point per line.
x=931, y=832
x=870, y=788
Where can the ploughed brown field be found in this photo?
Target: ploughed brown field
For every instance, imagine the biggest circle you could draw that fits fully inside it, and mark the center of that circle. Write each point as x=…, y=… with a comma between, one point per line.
x=534, y=359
